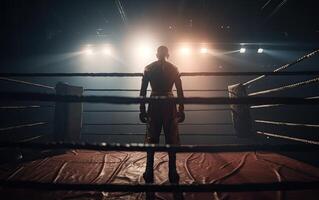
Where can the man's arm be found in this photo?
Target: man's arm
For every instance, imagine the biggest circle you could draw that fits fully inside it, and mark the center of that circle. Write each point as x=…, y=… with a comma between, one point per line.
x=143, y=92
x=180, y=93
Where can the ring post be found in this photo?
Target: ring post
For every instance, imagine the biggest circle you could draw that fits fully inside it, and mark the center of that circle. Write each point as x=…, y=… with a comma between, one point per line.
x=241, y=116
x=68, y=116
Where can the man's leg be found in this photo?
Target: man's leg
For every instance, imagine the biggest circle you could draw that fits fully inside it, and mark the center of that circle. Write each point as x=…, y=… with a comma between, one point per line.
x=153, y=132
x=171, y=137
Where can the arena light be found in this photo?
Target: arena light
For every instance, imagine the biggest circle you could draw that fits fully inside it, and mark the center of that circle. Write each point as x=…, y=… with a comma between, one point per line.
x=185, y=50
x=260, y=50
x=242, y=50
x=145, y=50
x=107, y=51
x=203, y=50
x=88, y=51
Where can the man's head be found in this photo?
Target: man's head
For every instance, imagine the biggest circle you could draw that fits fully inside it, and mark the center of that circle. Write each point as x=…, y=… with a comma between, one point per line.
x=162, y=53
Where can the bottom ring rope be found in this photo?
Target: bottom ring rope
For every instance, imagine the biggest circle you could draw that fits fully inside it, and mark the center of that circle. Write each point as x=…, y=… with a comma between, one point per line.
x=288, y=138
x=165, y=148
x=242, y=187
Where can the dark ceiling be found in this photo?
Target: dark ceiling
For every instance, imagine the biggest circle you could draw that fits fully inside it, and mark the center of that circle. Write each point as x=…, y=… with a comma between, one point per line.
x=52, y=24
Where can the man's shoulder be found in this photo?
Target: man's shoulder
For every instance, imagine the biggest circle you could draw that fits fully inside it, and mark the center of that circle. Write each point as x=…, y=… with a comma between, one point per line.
x=151, y=66
x=156, y=64
x=172, y=66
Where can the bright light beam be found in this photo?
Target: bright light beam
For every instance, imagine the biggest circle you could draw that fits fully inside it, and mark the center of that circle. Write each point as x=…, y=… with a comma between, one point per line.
x=107, y=51
x=185, y=50
x=145, y=50
x=203, y=50
x=88, y=51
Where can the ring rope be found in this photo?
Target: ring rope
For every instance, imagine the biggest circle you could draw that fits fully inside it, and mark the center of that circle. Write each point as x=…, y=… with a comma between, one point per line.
x=253, y=73
x=23, y=126
x=276, y=105
x=165, y=148
x=265, y=106
x=284, y=66
x=186, y=110
x=25, y=107
x=27, y=83
x=110, y=187
x=143, y=134
x=295, y=85
x=315, y=97
x=289, y=138
x=287, y=123
x=33, y=138
x=142, y=124
x=137, y=90
x=29, y=96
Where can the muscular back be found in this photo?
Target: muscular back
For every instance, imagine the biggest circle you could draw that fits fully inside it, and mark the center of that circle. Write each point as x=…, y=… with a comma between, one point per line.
x=161, y=75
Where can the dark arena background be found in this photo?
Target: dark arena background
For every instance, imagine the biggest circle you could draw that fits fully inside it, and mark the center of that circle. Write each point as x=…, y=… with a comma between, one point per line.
x=71, y=74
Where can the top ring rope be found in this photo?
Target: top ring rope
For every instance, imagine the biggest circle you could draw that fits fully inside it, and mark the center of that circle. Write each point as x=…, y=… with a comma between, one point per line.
x=274, y=73
x=284, y=66
x=294, y=85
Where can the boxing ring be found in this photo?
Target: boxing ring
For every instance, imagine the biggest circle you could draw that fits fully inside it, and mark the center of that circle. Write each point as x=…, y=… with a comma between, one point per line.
x=62, y=167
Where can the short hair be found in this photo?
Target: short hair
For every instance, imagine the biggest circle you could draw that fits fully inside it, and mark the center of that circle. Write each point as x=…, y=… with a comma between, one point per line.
x=162, y=51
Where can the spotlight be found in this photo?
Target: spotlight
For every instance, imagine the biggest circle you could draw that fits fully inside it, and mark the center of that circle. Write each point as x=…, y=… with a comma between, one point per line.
x=107, y=51
x=260, y=50
x=145, y=50
x=203, y=50
x=88, y=51
x=242, y=50
x=185, y=50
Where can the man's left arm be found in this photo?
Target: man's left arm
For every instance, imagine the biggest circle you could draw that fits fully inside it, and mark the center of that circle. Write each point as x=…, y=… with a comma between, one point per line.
x=180, y=95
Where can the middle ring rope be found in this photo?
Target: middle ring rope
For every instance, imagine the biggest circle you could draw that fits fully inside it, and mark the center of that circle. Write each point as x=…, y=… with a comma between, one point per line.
x=28, y=96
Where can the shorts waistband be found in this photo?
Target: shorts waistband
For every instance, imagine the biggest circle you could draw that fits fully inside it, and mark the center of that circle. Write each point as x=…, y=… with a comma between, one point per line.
x=168, y=93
